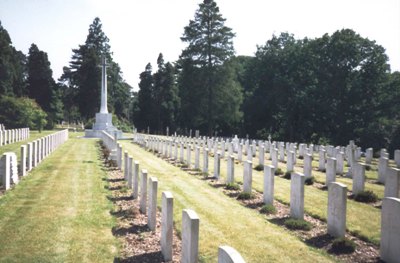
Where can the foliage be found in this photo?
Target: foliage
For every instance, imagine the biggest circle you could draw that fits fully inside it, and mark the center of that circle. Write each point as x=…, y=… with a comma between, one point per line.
x=268, y=209
x=21, y=112
x=209, y=90
x=232, y=186
x=288, y=175
x=245, y=196
x=309, y=180
x=366, y=196
x=279, y=171
x=343, y=245
x=259, y=167
x=297, y=224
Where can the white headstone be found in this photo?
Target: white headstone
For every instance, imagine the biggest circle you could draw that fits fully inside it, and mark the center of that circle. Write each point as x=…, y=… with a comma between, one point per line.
x=337, y=197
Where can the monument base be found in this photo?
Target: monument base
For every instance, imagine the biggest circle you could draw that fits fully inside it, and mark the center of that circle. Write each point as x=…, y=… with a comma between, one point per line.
x=103, y=123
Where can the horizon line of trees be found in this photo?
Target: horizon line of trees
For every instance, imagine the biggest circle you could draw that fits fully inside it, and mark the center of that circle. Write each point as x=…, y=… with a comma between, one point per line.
x=326, y=90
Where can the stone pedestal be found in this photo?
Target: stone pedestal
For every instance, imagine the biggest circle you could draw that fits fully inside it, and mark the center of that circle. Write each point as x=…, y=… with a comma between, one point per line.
x=103, y=123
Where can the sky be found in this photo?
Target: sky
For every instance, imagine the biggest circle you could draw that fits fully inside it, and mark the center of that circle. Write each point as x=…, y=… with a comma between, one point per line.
x=141, y=29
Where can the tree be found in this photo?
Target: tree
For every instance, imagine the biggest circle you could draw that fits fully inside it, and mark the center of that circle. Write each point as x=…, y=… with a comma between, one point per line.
x=21, y=112
x=209, y=46
x=145, y=115
x=83, y=77
x=40, y=78
x=12, y=67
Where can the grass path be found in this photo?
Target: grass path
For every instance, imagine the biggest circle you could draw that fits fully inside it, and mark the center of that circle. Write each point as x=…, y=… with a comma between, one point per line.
x=59, y=212
x=223, y=221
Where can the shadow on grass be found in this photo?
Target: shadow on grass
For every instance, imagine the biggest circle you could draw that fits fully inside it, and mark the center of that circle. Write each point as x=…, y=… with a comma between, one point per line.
x=153, y=257
x=119, y=187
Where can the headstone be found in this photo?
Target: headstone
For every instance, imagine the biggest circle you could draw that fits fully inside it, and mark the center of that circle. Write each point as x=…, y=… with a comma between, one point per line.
x=190, y=236
x=205, y=161
x=358, y=178
x=217, y=165
x=152, y=212
x=5, y=170
x=368, y=155
x=340, y=163
x=330, y=171
x=143, y=192
x=30, y=157
x=297, y=195
x=397, y=157
x=197, y=158
x=167, y=225
x=261, y=158
x=268, y=193
x=188, y=155
x=307, y=165
x=382, y=167
x=240, y=153
x=247, y=177
x=392, y=182
x=290, y=161
x=228, y=254
x=390, y=230
x=274, y=156
x=23, y=160
x=231, y=169
x=321, y=161
x=337, y=198
x=130, y=172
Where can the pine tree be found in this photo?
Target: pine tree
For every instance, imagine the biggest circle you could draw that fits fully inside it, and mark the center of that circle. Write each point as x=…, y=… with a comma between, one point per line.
x=209, y=46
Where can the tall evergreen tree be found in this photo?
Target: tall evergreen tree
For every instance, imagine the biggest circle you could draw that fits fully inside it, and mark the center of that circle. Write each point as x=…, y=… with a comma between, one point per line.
x=145, y=114
x=209, y=46
x=40, y=78
x=83, y=76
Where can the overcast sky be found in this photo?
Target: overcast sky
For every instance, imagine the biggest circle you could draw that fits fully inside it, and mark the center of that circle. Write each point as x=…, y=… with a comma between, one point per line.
x=140, y=29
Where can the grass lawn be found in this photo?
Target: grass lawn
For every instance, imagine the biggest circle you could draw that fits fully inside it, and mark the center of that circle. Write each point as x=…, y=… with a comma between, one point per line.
x=362, y=219
x=223, y=221
x=59, y=212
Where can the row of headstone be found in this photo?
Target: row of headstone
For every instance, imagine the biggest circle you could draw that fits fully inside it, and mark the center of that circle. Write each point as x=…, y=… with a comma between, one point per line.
x=337, y=193
x=31, y=155
x=147, y=194
x=14, y=135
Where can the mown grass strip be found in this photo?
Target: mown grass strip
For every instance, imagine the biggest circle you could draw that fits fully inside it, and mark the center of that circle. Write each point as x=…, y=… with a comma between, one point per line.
x=224, y=221
x=59, y=212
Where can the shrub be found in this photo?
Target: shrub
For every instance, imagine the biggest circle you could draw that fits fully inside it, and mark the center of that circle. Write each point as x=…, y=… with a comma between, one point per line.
x=259, y=167
x=343, y=245
x=268, y=209
x=309, y=180
x=297, y=224
x=301, y=157
x=278, y=171
x=245, y=196
x=232, y=186
x=288, y=175
x=368, y=168
x=366, y=197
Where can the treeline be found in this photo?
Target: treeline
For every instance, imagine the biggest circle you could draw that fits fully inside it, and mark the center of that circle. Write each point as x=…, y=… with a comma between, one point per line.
x=325, y=90
x=29, y=96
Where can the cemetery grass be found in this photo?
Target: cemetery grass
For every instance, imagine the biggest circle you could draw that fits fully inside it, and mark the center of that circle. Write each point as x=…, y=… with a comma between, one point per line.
x=223, y=221
x=59, y=212
x=363, y=220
